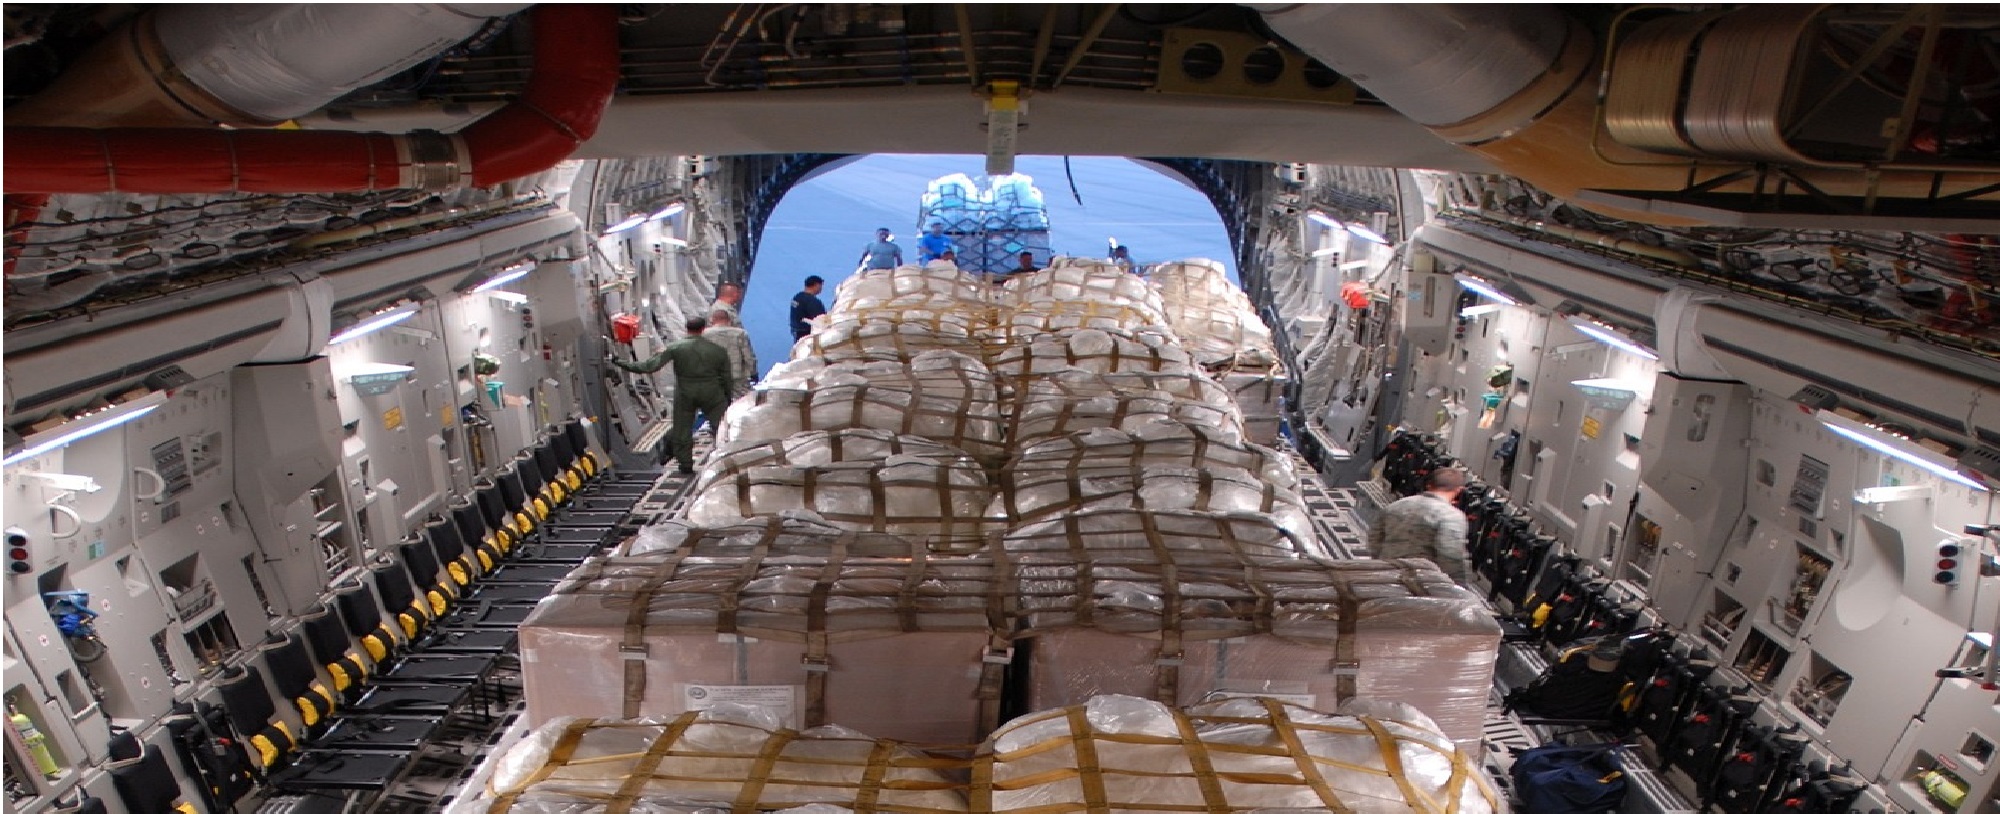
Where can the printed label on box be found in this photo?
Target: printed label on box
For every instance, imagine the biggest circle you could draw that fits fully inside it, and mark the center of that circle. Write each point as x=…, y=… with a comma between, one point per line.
x=783, y=700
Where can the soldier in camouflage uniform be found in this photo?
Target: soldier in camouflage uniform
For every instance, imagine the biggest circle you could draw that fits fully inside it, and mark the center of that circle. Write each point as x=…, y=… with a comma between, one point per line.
x=1427, y=525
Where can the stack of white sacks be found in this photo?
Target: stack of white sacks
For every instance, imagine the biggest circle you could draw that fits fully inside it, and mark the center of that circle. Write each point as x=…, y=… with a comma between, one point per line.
x=949, y=477
x=1222, y=331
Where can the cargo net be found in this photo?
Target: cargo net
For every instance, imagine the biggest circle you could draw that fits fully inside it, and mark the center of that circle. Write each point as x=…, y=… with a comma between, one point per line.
x=1078, y=400
x=1163, y=442
x=848, y=629
x=1212, y=316
x=887, y=335
x=1094, y=350
x=1112, y=535
x=924, y=489
x=1258, y=393
x=1035, y=317
x=946, y=397
x=1082, y=279
x=728, y=757
x=1175, y=625
x=1117, y=753
x=1114, y=483
x=791, y=536
x=939, y=284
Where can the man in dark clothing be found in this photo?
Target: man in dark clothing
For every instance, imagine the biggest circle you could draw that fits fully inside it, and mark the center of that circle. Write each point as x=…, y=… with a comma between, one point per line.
x=805, y=306
x=701, y=383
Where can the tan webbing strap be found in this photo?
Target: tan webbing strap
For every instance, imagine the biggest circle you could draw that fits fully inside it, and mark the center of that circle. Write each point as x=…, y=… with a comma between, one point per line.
x=632, y=649
x=559, y=756
x=906, y=594
x=1201, y=765
x=1454, y=786
x=816, y=660
x=760, y=771
x=1086, y=590
x=1346, y=649
x=1266, y=607
x=1391, y=751
x=872, y=773
x=1308, y=768
x=1089, y=772
x=628, y=792
x=1166, y=665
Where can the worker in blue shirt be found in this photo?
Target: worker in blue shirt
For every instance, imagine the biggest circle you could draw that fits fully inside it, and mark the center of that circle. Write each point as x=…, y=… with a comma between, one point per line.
x=882, y=253
x=933, y=244
x=805, y=306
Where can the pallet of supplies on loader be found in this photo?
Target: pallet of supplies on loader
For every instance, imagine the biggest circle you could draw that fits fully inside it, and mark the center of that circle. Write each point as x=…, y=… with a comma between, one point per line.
x=885, y=336
x=926, y=491
x=787, y=535
x=1078, y=400
x=1092, y=349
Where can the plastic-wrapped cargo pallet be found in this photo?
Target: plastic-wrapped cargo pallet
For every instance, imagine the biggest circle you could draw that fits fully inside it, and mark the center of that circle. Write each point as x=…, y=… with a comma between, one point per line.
x=730, y=758
x=1116, y=753
x=1118, y=483
x=1080, y=279
x=1209, y=313
x=940, y=284
x=943, y=396
x=793, y=536
x=866, y=480
x=872, y=631
x=1176, y=624
x=1221, y=330
x=1077, y=400
x=884, y=336
x=1162, y=442
x=1098, y=351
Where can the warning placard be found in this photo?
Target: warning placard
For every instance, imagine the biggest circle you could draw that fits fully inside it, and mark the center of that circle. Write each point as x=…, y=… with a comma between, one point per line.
x=783, y=700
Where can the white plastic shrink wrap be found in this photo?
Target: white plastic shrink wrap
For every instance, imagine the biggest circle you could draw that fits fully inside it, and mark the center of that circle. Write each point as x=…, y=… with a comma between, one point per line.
x=1113, y=535
x=1098, y=351
x=869, y=288
x=1110, y=483
x=1081, y=279
x=1257, y=392
x=1175, y=626
x=1028, y=318
x=1211, y=315
x=867, y=480
x=886, y=635
x=1078, y=400
x=945, y=397
x=786, y=535
x=1163, y=442
x=728, y=757
x=878, y=337
x=1117, y=753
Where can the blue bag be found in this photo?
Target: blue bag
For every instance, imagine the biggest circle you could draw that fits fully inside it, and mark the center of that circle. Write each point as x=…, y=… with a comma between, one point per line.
x=1562, y=779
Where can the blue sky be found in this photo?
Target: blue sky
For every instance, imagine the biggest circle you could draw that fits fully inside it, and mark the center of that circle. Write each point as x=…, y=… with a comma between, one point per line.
x=822, y=224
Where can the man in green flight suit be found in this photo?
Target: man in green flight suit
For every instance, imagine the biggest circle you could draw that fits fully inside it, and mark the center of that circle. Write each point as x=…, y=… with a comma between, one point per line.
x=701, y=382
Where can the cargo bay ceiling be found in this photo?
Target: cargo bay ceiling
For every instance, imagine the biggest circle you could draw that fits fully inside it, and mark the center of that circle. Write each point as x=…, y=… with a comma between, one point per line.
x=159, y=149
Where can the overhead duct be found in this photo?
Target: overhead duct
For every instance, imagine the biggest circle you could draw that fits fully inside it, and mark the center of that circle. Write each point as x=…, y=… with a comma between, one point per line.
x=245, y=64
x=576, y=70
x=1517, y=85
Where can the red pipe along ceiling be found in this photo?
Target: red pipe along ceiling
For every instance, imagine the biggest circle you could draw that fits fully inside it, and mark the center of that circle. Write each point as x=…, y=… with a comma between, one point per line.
x=575, y=72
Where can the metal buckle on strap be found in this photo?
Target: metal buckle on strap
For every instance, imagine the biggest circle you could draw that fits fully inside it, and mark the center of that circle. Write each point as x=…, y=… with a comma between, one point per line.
x=1169, y=660
x=632, y=652
x=1343, y=668
x=998, y=656
x=815, y=664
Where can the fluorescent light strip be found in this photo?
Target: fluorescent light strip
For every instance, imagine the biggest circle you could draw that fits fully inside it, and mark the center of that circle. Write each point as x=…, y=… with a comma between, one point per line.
x=1367, y=234
x=99, y=425
x=375, y=323
x=509, y=296
x=1325, y=220
x=1486, y=289
x=1611, y=337
x=1897, y=448
x=1480, y=310
x=1326, y=252
x=505, y=277
x=671, y=210
x=627, y=223
x=674, y=241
